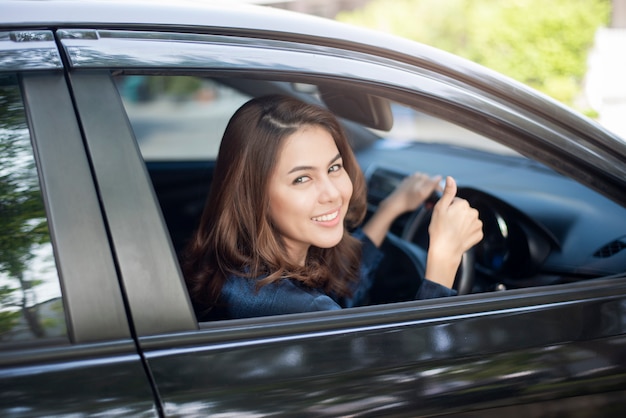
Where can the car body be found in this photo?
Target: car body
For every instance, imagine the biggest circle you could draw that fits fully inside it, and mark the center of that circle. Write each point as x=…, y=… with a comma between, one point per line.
x=115, y=111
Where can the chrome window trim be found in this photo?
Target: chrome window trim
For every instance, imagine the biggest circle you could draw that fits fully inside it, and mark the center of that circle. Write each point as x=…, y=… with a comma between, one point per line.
x=29, y=50
x=90, y=48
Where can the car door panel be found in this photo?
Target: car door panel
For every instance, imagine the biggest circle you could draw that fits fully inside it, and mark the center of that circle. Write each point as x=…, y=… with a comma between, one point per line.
x=99, y=379
x=469, y=362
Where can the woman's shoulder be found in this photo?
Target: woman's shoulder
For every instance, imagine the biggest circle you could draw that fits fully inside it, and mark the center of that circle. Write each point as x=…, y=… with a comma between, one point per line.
x=245, y=299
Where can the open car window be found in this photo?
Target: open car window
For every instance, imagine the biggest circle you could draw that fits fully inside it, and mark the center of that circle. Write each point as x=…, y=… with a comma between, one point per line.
x=535, y=231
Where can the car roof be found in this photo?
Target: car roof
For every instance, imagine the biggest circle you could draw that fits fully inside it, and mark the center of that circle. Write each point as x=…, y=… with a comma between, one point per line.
x=193, y=14
x=200, y=16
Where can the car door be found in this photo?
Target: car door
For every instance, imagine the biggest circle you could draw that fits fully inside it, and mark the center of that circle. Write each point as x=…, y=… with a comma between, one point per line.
x=66, y=347
x=536, y=351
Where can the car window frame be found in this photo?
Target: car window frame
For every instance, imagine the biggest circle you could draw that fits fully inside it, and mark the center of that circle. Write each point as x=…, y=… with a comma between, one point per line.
x=95, y=74
x=91, y=296
x=90, y=290
x=39, y=373
x=149, y=272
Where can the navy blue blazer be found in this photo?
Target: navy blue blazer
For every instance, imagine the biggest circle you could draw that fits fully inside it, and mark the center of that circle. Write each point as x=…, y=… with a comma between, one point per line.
x=240, y=297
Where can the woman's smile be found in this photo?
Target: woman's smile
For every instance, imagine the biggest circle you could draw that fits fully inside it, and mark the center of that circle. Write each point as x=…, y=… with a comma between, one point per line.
x=328, y=218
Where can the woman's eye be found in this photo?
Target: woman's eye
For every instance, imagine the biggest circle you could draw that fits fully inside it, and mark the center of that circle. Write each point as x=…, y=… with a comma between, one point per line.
x=301, y=179
x=335, y=167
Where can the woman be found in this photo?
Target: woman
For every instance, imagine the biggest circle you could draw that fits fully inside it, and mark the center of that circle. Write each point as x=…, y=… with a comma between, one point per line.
x=275, y=238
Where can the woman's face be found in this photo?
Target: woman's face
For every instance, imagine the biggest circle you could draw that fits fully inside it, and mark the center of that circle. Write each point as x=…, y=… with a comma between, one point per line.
x=309, y=192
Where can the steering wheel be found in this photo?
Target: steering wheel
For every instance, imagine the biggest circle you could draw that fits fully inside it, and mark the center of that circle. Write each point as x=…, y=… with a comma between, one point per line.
x=416, y=231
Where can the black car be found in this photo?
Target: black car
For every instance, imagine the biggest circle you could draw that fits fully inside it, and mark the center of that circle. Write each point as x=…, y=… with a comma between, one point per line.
x=111, y=114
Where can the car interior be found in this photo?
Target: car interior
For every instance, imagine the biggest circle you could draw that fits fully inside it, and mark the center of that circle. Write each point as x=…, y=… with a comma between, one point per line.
x=540, y=227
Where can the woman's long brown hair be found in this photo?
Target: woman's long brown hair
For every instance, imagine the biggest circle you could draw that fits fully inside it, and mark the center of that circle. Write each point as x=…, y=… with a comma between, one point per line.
x=236, y=236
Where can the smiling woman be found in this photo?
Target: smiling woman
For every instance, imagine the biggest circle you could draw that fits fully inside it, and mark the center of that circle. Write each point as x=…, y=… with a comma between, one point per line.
x=274, y=236
x=309, y=192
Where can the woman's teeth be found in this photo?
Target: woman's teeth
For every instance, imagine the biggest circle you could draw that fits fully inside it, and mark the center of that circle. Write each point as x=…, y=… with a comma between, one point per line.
x=326, y=218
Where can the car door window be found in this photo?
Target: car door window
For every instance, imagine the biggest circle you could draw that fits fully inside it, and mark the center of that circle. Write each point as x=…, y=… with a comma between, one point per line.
x=31, y=307
x=178, y=122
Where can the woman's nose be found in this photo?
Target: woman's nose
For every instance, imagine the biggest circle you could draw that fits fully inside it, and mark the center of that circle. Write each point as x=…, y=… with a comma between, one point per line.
x=328, y=190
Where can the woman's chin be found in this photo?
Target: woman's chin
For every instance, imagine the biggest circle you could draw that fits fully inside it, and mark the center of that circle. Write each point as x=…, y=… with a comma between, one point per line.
x=329, y=242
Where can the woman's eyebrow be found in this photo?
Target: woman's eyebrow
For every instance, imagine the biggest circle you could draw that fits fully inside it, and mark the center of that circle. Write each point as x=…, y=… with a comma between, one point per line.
x=307, y=167
x=338, y=156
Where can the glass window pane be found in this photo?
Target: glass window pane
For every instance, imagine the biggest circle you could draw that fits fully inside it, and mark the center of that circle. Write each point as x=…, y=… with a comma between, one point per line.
x=178, y=117
x=31, y=307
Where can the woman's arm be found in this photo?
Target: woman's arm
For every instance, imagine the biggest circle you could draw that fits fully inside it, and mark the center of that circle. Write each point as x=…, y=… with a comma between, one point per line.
x=411, y=193
x=454, y=229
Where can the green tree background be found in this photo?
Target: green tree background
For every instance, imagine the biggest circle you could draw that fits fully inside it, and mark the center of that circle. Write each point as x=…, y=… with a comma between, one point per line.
x=543, y=44
x=22, y=218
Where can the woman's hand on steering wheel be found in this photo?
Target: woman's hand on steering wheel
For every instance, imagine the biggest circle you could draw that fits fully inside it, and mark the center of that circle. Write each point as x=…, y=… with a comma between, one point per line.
x=454, y=229
x=408, y=196
x=413, y=191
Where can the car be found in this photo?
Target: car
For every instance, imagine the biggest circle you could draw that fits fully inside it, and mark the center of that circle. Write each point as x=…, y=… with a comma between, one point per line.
x=111, y=117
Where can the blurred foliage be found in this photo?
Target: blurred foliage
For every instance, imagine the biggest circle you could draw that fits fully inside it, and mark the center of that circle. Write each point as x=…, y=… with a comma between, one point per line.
x=543, y=44
x=23, y=224
x=8, y=318
x=22, y=221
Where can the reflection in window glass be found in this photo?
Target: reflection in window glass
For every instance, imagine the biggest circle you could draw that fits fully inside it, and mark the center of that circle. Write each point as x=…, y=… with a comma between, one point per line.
x=178, y=117
x=30, y=296
x=413, y=126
